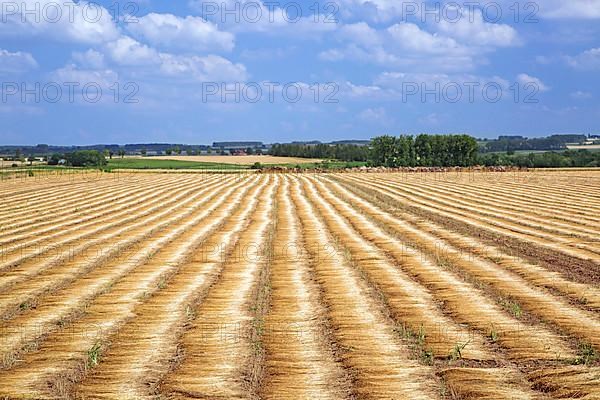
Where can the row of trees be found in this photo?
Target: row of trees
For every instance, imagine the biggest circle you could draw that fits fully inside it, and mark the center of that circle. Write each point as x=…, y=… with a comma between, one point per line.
x=519, y=143
x=111, y=153
x=569, y=158
x=393, y=151
x=401, y=151
x=191, y=151
x=342, y=152
x=80, y=158
x=424, y=150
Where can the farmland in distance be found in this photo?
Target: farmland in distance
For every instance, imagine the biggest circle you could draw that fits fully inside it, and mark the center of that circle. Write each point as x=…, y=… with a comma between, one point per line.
x=449, y=285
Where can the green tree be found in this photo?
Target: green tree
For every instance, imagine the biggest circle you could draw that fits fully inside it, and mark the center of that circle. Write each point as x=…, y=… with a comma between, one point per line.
x=423, y=151
x=54, y=159
x=85, y=158
x=405, y=152
x=384, y=151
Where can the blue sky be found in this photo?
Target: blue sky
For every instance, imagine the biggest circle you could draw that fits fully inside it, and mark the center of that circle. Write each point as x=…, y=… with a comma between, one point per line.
x=199, y=71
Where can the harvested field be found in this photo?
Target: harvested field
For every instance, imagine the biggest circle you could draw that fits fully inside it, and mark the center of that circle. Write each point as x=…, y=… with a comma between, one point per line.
x=456, y=285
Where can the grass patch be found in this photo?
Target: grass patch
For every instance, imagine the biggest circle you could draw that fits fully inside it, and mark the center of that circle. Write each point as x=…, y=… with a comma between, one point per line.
x=512, y=307
x=150, y=163
x=456, y=353
x=416, y=340
x=493, y=335
x=162, y=283
x=94, y=355
x=586, y=355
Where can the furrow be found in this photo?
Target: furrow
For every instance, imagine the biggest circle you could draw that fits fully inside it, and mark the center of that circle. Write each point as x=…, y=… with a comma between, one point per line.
x=412, y=306
x=139, y=353
x=535, y=217
x=83, y=256
x=571, y=382
x=23, y=258
x=514, y=201
x=138, y=195
x=299, y=359
x=561, y=186
x=467, y=303
x=552, y=243
x=368, y=343
x=49, y=371
x=52, y=311
x=584, y=294
x=56, y=198
x=220, y=345
x=459, y=207
x=579, y=323
x=539, y=194
x=490, y=383
x=15, y=254
x=51, y=185
x=87, y=204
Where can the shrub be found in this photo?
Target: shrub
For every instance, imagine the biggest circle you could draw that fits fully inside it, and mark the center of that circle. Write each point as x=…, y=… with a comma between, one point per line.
x=54, y=159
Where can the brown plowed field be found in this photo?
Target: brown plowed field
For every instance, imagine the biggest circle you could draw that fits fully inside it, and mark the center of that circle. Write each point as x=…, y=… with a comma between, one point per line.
x=301, y=286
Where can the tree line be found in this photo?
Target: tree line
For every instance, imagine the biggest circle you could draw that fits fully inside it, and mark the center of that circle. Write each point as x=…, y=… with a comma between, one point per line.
x=511, y=144
x=565, y=159
x=424, y=151
x=80, y=158
x=342, y=152
x=393, y=151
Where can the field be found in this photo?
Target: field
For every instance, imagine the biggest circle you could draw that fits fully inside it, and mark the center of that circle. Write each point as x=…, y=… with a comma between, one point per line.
x=590, y=147
x=162, y=163
x=300, y=286
x=230, y=163
x=240, y=160
x=9, y=164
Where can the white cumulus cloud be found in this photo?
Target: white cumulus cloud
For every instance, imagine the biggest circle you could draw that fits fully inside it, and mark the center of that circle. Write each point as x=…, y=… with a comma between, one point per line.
x=402, y=45
x=525, y=79
x=473, y=29
x=206, y=68
x=65, y=21
x=16, y=62
x=189, y=33
x=90, y=59
x=128, y=51
x=587, y=60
